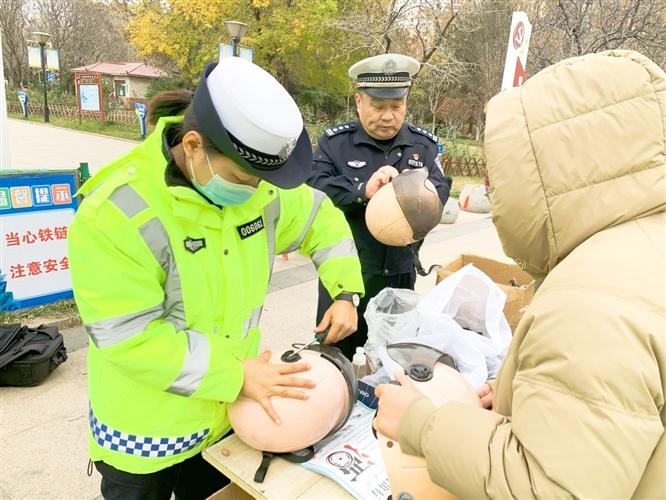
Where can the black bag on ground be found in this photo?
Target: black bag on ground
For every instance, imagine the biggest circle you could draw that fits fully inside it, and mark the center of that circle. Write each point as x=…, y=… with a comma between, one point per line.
x=29, y=355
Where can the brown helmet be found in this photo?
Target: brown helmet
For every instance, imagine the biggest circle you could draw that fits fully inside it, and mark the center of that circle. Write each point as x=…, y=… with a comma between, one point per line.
x=435, y=375
x=405, y=210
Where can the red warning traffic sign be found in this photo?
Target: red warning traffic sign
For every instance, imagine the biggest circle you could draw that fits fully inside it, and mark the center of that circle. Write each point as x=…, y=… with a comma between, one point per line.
x=520, y=75
x=516, y=51
x=518, y=35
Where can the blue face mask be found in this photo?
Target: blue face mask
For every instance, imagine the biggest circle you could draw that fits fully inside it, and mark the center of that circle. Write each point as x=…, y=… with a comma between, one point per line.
x=220, y=191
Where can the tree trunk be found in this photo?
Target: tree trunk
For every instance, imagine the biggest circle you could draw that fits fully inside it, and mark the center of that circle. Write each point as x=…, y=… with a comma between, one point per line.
x=477, y=133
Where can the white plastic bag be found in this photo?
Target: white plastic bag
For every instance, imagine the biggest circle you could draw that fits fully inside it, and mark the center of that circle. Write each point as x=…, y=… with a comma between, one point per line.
x=475, y=303
x=462, y=316
x=391, y=315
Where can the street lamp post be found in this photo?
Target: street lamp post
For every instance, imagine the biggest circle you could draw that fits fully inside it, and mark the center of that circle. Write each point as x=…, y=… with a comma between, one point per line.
x=41, y=39
x=236, y=29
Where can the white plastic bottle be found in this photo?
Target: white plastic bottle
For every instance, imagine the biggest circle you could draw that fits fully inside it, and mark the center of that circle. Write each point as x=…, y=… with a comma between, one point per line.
x=360, y=363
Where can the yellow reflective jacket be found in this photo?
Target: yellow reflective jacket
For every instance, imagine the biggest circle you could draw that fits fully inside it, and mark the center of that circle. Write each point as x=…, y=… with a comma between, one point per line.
x=171, y=289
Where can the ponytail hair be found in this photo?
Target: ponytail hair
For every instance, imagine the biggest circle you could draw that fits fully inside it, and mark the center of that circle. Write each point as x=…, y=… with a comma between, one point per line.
x=168, y=103
x=174, y=103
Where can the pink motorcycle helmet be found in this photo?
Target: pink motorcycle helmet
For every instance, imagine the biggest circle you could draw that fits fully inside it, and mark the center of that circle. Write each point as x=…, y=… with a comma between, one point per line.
x=303, y=422
x=434, y=374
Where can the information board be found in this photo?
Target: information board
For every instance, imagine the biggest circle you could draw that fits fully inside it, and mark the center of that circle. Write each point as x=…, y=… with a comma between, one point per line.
x=36, y=210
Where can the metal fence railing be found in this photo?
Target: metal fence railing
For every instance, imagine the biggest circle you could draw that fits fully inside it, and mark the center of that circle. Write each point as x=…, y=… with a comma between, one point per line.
x=70, y=112
x=456, y=166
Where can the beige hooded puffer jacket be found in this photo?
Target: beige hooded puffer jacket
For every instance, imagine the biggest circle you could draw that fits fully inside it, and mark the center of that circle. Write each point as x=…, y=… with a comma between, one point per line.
x=577, y=167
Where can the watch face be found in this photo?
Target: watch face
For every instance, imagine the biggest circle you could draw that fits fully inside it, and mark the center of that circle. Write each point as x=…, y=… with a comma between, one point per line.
x=356, y=300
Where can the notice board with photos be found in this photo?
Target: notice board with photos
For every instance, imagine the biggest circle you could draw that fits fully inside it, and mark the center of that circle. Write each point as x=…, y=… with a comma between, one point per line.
x=90, y=96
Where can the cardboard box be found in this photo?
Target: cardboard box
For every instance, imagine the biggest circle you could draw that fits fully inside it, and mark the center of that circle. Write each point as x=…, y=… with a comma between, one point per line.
x=505, y=275
x=231, y=492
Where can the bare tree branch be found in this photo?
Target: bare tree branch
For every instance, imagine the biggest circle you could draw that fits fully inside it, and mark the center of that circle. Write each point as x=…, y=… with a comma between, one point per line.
x=13, y=26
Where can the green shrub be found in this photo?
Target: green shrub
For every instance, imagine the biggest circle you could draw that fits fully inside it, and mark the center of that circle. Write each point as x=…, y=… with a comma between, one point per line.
x=167, y=83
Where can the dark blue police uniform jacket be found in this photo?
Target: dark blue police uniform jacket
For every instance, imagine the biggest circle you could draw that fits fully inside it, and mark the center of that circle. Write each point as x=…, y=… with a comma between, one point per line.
x=344, y=161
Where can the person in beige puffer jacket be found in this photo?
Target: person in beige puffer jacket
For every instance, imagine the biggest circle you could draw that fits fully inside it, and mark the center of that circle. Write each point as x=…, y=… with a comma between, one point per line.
x=577, y=167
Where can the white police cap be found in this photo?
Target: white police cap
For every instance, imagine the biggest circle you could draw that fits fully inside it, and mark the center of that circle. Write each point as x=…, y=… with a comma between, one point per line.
x=253, y=120
x=387, y=76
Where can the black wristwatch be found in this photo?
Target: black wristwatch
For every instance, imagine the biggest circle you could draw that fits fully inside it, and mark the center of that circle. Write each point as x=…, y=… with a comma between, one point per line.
x=351, y=297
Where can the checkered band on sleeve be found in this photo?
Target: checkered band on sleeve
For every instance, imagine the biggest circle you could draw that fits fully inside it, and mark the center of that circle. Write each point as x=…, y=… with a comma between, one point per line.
x=142, y=446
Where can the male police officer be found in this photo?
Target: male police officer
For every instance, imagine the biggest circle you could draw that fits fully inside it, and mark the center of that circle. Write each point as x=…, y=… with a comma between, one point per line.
x=353, y=160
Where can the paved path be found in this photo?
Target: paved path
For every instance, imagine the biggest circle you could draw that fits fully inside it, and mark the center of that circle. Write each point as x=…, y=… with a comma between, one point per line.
x=41, y=146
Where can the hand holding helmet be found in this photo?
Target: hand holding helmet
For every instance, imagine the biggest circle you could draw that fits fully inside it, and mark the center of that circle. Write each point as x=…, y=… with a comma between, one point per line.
x=305, y=419
x=380, y=178
x=405, y=210
x=393, y=403
x=426, y=372
x=485, y=394
x=263, y=379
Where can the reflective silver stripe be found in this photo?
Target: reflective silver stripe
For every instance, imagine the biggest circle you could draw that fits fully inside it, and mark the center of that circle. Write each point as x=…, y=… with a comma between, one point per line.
x=253, y=321
x=197, y=357
x=128, y=201
x=195, y=366
x=343, y=248
x=114, y=330
x=111, y=331
x=319, y=197
x=271, y=218
x=157, y=239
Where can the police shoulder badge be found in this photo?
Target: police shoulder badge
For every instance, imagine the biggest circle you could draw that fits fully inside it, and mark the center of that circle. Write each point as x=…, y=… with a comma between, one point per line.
x=194, y=245
x=343, y=127
x=423, y=132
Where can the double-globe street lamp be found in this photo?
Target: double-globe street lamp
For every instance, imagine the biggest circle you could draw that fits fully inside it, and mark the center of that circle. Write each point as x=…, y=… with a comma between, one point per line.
x=42, y=38
x=236, y=29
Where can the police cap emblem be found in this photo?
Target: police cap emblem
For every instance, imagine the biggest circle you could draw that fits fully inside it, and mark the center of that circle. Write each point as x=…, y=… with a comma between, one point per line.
x=390, y=67
x=287, y=149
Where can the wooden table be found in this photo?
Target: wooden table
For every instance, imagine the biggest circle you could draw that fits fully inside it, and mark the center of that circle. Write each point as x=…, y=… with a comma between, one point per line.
x=284, y=480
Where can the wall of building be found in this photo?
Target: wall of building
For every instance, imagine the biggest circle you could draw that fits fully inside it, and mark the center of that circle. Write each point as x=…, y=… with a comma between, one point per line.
x=138, y=87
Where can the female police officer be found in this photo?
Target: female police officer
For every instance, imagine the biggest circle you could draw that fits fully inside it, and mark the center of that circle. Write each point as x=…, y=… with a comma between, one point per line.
x=171, y=254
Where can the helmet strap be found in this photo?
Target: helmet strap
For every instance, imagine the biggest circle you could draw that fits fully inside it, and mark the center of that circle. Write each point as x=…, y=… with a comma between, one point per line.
x=297, y=457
